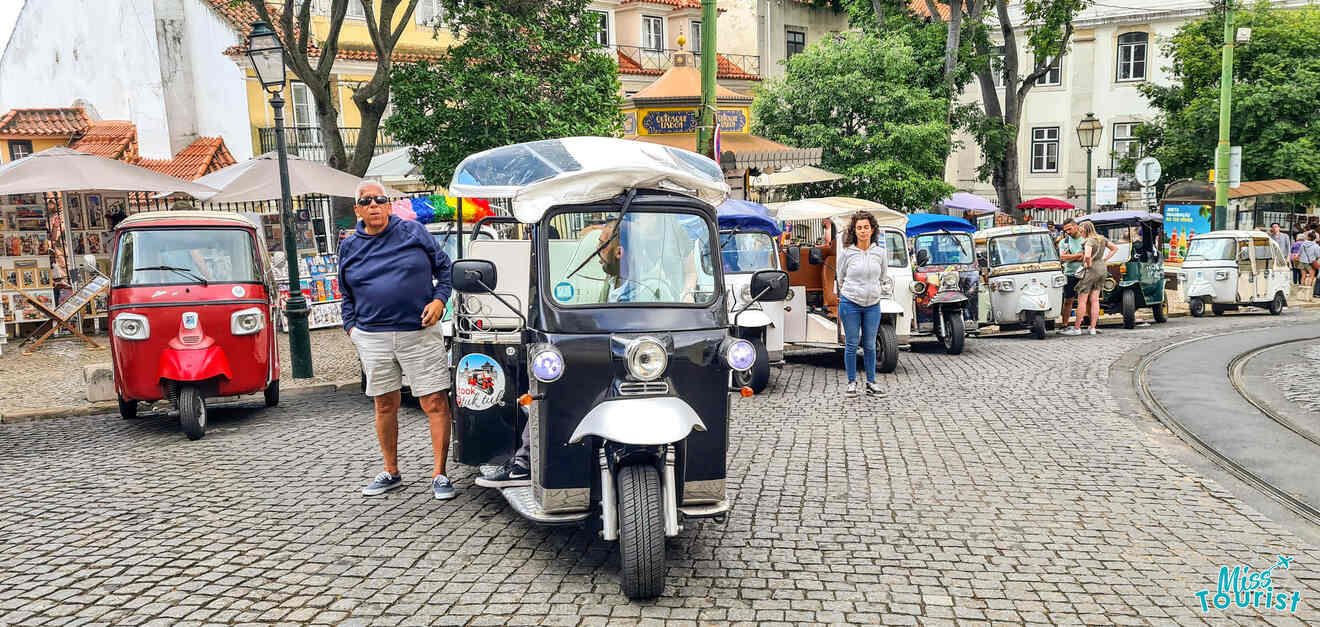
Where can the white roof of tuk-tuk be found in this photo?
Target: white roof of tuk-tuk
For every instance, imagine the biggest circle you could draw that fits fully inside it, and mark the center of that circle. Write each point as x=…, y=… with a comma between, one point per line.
x=1016, y=229
x=837, y=208
x=1234, y=234
x=188, y=216
x=574, y=170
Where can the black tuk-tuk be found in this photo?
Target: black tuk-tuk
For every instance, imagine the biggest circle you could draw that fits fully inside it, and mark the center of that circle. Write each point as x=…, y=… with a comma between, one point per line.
x=606, y=334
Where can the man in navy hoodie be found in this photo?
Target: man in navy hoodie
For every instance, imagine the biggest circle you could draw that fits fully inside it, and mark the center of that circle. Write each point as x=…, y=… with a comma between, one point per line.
x=395, y=283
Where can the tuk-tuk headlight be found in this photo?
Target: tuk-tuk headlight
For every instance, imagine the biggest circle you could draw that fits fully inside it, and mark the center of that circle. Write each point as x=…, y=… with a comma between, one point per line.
x=647, y=359
x=949, y=281
x=886, y=287
x=1004, y=285
x=1059, y=280
x=547, y=363
x=246, y=321
x=132, y=327
x=740, y=355
x=918, y=287
x=1110, y=284
x=1221, y=275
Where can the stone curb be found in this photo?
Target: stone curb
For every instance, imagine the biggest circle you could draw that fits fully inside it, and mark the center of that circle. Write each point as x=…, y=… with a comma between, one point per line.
x=96, y=409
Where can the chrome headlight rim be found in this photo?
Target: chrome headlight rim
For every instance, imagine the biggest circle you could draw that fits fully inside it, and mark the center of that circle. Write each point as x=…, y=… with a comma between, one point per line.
x=546, y=363
x=918, y=287
x=949, y=281
x=124, y=329
x=238, y=319
x=738, y=350
x=1006, y=285
x=634, y=357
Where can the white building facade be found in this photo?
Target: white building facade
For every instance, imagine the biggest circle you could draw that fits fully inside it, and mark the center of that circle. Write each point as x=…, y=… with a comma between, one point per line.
x=156, y=63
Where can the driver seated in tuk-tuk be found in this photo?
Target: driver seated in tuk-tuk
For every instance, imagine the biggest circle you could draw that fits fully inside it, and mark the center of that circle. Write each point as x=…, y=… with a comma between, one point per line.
x=648, y=273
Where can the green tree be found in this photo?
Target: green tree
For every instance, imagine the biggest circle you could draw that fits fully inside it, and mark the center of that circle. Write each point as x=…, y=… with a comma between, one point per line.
x=525, y=70
x=1276, y=92
x=854, y=97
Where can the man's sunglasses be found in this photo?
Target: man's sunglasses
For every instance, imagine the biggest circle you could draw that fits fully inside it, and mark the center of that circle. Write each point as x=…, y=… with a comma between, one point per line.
x=367, y=200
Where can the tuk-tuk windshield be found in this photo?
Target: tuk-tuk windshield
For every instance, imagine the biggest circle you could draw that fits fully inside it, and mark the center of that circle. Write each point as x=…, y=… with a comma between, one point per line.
x=216, y=255
x=1022, y=248
x=748, y=252
x=1212, y=249
x=898, y=257
x=946, y=248
x=648, y=257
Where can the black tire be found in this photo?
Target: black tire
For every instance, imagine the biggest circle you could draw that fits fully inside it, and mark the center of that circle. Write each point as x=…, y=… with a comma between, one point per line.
x=192, y=412
x=954, y=335
x=887, y=348
x=641, y=532
x=273, y=393
x=1038, y=325
x=758, y=377
x=1276, y=305
x=1196, y=307
x=1129, y=309
x=1219, y=309
x=127, y=409
x=1160, y=315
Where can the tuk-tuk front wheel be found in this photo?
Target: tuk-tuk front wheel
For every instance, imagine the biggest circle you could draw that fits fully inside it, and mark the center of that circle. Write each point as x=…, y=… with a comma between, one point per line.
x=1038, y=324
x=758, y=376
x=641, y=532
x=1196, y=307
x=127, y=409
x=888, y=348
x=272, y=393
x=953, y=335
x=192, y=412
x=1276, y=305
x=1129, y=309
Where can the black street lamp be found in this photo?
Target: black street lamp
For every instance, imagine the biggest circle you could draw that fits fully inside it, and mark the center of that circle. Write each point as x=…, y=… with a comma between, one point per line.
x=267, y=55
x=1088, y=133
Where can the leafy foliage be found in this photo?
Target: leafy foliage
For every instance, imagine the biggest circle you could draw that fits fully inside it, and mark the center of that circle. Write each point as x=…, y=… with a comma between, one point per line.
x=525, y=70
x=854, y=96
x=1276, y=93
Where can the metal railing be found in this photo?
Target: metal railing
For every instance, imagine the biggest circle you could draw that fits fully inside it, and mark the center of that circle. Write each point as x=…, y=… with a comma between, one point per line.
x=659, y=60
x=1126, y=180
x=307, y=142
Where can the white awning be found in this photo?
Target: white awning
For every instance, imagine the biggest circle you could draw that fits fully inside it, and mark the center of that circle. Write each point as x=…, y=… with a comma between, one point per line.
x=836, y=207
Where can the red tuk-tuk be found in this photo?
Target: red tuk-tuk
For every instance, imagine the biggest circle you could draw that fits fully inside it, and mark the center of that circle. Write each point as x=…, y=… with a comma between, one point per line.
x=191, y=299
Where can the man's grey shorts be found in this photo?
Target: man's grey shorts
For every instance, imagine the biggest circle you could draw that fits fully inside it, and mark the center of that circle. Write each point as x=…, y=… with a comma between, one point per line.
x=388, y=356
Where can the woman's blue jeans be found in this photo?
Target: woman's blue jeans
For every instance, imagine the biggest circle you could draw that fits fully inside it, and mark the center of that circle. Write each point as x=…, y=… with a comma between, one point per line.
x=859, y=323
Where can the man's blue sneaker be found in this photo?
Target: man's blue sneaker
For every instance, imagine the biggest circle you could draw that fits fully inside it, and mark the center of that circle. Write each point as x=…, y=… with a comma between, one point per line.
x=384, y=482
x=444, y=490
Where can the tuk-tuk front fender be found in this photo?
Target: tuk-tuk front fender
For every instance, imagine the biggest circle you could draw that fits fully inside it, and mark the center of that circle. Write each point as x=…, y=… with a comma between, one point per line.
x=647, y=421
x=890, y=306
x=193, y=365
x=948, y=298
x=753, y=319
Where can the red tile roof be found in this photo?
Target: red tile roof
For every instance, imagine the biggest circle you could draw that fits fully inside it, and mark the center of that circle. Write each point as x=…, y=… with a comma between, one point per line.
x=202, y=157
x=725, y=68
x=52, y=122
x=919, y=7
x=241, y=15
x=113, y=139
x=400, y=57
x=677, y=4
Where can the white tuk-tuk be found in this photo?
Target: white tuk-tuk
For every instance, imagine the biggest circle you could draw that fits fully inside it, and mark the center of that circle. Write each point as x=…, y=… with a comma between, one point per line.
x=1022, y=268
x=748, y=245
x=811, y=314
x=1228, y=269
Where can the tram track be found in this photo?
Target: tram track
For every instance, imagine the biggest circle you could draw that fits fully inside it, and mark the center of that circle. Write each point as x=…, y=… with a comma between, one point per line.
x=1307, y=511
x=1235, y=368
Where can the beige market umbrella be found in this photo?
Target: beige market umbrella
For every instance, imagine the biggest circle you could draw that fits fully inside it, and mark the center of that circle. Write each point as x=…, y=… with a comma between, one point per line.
x=63, y=169
x=796, y=176
x=258, y=179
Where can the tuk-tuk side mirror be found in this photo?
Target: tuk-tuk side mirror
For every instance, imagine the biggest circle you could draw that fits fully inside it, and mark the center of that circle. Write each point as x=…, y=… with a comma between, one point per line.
x=816, y=256
x=982, y=261
x=769, y=285
x=474, y=276
x=923, y=257
x=793, y=258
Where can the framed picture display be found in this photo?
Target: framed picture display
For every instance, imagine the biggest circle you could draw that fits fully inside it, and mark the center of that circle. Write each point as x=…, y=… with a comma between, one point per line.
x=43, y=277
x=79, y=246
x=77, y=221
x=11, y=277
x=92, y=202
x=28, y=278
x=96, y=220
x=93, y=243
x=117, y=204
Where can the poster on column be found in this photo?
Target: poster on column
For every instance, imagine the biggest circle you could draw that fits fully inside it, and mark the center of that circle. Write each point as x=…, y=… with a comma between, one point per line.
x=1186, y=220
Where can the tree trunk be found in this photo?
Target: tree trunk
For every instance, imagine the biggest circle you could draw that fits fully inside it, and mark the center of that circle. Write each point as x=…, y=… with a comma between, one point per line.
x=951, y=45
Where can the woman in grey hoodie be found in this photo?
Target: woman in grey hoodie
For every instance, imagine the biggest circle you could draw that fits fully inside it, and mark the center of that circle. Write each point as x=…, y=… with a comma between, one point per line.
x=860, y=268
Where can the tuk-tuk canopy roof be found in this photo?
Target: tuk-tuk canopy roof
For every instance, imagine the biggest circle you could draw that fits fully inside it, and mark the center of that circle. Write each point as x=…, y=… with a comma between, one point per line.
x=184, y=218
x=919, y=223
x=745, y=215
x=573, y=170
x=1129, y=215
x=1000, y=231
x=837, y=208
x=1234, y=234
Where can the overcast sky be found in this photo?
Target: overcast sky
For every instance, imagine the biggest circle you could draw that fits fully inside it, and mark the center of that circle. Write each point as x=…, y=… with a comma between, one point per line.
x=8, y=15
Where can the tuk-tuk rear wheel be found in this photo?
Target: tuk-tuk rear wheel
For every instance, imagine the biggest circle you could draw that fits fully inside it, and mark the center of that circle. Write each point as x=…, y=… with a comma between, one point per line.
x=127, y=409
x=641, y=532
x=1158, y=311
x=1129, y=309
x=1196, y=307
x=1276, y=305
x=888, y=348
x=192, y=412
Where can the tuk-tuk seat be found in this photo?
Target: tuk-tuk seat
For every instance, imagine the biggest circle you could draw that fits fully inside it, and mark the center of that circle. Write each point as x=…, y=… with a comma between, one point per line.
x=512, y=259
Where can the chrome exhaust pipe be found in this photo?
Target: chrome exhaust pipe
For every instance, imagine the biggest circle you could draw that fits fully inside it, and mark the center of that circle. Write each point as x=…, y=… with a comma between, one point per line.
x=609, y=505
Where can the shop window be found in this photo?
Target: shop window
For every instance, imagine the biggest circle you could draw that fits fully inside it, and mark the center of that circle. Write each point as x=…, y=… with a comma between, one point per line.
x=19, y=148
x=1132, y=56
x=1045, y=149
x=653, y=33
x=795, y=42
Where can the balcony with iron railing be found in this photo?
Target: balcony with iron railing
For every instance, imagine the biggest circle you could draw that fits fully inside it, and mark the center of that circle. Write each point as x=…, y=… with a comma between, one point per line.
x=643, y=60
x=1126, y=180
x=307, y=142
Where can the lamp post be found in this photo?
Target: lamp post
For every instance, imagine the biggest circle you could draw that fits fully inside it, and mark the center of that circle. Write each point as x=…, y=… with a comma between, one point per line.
x=1088, y=133
x=267, y=55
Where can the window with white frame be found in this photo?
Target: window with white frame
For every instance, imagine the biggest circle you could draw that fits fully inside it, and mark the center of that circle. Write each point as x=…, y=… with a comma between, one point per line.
x=794, y=42
x=1053, y=76
x=695, y=28
x=356, y=11
x=997, y=66
x=1132, y=49
x=428, y=12
x=19, y=148
x=1045, y=149
x=653, y=33
x=1126, y=143
x=602, y=21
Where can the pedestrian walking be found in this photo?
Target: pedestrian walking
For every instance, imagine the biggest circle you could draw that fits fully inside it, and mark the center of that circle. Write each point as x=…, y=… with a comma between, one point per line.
x=395, y=281
x=1096, y=252
x=1070, y=253
x=1281, y=238
x=861, y=268
x=1292, y=257
x=1309, y=258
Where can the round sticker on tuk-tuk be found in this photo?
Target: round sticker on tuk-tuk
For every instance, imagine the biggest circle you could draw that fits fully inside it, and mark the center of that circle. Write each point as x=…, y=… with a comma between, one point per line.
x=480, y=382
x=237, y=291
x=564, y=291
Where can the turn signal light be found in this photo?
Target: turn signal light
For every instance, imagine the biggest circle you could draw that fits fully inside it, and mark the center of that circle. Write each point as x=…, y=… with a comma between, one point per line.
x=746, y=392
x=525, y=400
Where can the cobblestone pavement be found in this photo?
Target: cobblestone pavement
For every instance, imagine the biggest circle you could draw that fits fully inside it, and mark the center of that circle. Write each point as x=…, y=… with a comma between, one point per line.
x=1004, y=485
x=52, y=376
